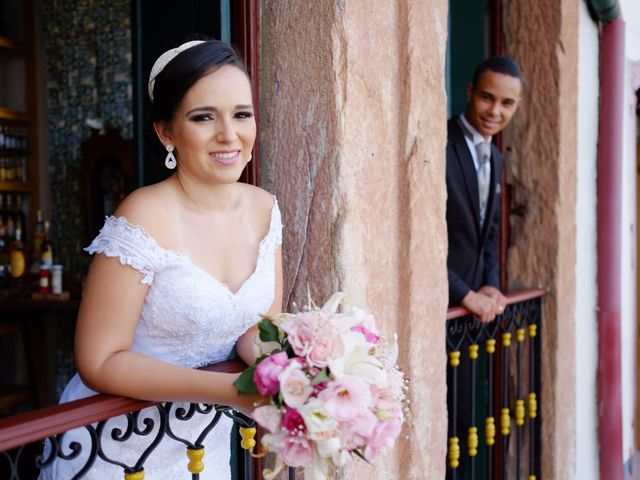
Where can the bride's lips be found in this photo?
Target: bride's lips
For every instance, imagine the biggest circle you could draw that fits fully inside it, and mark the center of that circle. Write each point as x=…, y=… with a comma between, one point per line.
x=226, y=157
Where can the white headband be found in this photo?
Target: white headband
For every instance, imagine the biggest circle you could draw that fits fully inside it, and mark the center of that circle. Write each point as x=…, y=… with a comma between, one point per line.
x=164, y=59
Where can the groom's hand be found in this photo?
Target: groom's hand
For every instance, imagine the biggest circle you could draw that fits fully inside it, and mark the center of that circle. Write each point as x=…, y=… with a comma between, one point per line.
x=482, y=306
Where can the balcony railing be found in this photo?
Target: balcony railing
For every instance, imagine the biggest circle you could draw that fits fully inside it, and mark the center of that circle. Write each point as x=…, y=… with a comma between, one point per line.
x=22, y=435
x=493, y=380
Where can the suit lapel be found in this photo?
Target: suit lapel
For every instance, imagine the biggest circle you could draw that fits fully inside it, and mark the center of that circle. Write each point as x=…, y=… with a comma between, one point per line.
x=469, y=173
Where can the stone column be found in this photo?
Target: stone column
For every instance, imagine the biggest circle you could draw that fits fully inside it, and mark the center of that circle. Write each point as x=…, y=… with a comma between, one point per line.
x=353, y=134
x=541, y=159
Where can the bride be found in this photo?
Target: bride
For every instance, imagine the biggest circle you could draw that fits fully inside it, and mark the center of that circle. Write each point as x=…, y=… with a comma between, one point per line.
x=182, y=270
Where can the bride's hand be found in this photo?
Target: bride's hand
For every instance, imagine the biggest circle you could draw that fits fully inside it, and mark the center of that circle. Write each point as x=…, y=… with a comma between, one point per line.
x=248, y=402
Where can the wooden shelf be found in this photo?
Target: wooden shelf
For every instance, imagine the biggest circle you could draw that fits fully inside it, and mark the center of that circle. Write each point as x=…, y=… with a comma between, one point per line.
x=14, y=115
x=12, y=46
x=21, y=187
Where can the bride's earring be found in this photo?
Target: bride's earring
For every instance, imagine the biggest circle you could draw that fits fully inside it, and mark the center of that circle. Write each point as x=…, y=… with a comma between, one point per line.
x=170, y=160
x=250, y=157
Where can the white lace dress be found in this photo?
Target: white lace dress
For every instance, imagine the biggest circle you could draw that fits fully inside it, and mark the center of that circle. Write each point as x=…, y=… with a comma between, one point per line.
x=188, y=318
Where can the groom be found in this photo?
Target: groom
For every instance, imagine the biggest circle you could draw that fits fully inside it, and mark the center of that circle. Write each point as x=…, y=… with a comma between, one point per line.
x=473, y=174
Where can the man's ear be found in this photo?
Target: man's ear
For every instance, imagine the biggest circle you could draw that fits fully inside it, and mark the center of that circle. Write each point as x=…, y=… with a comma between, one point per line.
x=163, y=132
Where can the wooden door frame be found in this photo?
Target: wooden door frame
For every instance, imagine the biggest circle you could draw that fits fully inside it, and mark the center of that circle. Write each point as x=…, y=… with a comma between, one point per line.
x=245, y=35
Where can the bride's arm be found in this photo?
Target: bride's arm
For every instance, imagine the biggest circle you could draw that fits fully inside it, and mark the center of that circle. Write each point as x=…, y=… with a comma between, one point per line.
x=245, y=343
x=111, y=306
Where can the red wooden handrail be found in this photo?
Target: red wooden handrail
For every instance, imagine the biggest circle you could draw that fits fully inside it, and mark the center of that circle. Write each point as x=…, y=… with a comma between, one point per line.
x=512, y=297
x=39, y=424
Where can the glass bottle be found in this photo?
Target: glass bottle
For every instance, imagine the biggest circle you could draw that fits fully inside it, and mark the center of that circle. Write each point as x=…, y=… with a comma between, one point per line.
x=16, y=256
x=46, y=252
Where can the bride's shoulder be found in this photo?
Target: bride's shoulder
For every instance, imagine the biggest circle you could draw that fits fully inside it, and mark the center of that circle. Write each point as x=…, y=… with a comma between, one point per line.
x=258, y=200
x=147, y=207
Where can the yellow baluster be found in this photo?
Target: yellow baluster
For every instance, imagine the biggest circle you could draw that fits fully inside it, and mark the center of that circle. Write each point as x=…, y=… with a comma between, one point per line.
x=134, y=476
x=532, y=477
x=195, y=460
x=247, y=434
x=490, y=430
x=454, y=358
x=519, y=412
x=505, y=421
x=491, y=346
x=533, y=330
x=473, y=351
x=473, y=441
x=520, y=334
x=533, y=405
x=506, y=339
x=454, y=452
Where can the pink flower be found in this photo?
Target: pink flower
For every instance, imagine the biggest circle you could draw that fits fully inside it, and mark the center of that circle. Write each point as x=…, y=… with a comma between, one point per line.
x=369, y=336
x=383, y=436
x=269, y=417
x=295, y=387
x=300, y=332
x=297, y=451
x=267, y=372
x=293, y=421
x=357, y=429
x=345, y=397
x=328, y=345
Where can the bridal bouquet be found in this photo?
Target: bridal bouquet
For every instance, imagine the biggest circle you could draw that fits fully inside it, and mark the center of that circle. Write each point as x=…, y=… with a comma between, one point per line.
x=334, y=387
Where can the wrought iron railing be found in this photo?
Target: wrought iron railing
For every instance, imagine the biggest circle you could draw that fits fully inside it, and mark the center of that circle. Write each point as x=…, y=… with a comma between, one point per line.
x=493, y=380
x=25, y=432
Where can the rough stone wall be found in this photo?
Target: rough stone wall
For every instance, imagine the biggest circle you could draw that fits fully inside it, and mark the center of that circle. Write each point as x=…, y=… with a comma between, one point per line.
x=542, y=159
x=353, y=134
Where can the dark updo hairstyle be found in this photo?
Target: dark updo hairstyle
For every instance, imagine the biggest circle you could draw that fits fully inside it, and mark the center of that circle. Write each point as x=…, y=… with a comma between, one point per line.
x=189, y=66
x=499, y=64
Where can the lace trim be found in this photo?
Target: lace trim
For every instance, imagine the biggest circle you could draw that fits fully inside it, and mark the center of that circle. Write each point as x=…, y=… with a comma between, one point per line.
x=131, y=245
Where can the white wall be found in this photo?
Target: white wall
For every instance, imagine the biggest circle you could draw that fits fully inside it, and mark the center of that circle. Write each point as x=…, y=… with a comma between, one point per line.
x=631, y=16
x=586, y=293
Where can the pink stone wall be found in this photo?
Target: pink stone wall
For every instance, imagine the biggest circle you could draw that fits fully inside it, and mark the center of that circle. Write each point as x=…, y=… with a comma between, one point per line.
x=543, y=37
x=353, y=134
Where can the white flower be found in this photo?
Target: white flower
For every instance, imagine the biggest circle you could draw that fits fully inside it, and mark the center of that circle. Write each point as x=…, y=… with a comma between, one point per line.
x=316, y=417
x=357, y=360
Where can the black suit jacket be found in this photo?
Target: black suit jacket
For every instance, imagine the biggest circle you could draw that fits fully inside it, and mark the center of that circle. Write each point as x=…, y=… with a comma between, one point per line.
x=472, y=260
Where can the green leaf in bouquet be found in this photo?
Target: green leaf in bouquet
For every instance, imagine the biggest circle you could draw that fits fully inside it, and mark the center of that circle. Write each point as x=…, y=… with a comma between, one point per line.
x=323, y=376
x=268, y=331
x=244, y=383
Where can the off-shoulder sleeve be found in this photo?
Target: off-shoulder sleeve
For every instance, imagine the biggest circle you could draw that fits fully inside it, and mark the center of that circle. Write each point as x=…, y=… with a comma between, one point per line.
x=275, y=228
x=130, y=244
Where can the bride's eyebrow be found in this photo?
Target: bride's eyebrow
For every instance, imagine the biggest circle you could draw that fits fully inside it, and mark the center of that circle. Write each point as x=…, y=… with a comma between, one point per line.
x=215, y=109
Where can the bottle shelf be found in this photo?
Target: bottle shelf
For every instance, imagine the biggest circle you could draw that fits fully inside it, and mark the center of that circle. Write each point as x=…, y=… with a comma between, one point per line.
x=11, y=46
x=14, y=115
x=17, y=187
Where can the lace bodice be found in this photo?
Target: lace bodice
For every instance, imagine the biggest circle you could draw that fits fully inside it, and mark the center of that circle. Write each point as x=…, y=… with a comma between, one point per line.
x=188, y=317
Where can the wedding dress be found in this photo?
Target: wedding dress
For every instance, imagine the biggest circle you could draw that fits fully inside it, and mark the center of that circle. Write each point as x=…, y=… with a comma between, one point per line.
x=188, y=318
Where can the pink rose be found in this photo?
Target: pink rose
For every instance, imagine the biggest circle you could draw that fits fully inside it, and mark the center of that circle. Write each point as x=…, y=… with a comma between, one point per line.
x=325, y=346
x=297, y=451
x=269, y=417
x=300, y=331
x=345, y=397
x=383, y=437
x=267, y=372
x=369, y=336
x=295, y=387
x=293, y=421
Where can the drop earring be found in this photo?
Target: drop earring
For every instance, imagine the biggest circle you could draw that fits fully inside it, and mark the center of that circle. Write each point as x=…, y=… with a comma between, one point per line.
x=250, y=157
x=170, y=160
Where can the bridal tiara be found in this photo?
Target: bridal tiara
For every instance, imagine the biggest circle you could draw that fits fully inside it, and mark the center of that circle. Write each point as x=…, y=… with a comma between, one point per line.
x=165, y=58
